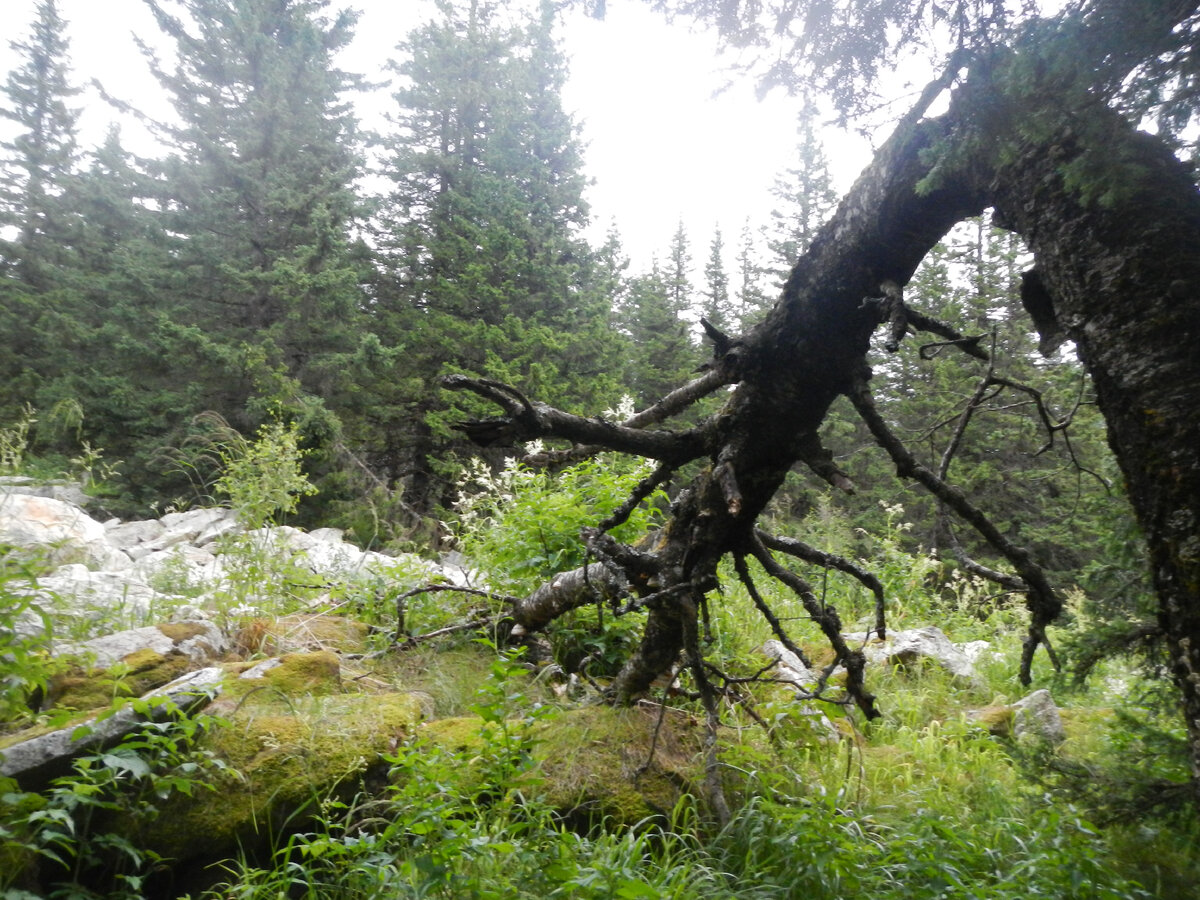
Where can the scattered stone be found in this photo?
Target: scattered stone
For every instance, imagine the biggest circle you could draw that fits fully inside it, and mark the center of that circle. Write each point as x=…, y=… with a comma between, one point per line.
x=199, y=641
x=804, y=681
x=67, y=491
x=930, y=642
x=1036, y=718
x=1033, y=719
x=60, y=532
x=99, y=596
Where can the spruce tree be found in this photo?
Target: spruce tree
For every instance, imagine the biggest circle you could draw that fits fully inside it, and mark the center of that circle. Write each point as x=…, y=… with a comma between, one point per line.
x=806, y=197
x=678, y=272
x=752, y=299
x=485, y=270
x=716, y=303
x=40, y=160
x=664, y=356
x=257, y=201
x=38, y=223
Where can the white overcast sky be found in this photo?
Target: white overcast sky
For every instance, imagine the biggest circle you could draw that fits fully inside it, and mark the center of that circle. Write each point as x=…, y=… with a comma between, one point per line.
x=660, y=147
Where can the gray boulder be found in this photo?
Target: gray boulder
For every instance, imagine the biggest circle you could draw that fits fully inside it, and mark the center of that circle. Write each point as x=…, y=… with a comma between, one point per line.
x=35, y=761
x=1036, y=718
x=199, y=640
x=929, y=642
x=58, y=531
x=803, y=681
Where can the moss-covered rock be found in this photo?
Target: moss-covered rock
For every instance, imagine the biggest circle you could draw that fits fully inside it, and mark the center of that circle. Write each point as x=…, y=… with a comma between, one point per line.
x=596, y=763
x=134, y=675
x=997, y=720
x=285, y=754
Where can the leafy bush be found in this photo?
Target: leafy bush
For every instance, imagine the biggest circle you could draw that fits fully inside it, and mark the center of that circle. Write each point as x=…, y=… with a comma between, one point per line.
x=78, y=858
x=522, y=525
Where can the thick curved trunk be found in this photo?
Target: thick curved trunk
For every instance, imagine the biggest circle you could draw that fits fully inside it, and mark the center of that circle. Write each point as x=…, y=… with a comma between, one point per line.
x=1123, y=274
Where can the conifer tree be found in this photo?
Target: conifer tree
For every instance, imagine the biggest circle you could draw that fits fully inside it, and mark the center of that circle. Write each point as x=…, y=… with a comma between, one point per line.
x=663, y=354
x=678, y=273
x=37, y=220
x=716, y=303
x=752, y=300
x=484, y=268
x=257, y=202
x=40, y=160
x=806, y=196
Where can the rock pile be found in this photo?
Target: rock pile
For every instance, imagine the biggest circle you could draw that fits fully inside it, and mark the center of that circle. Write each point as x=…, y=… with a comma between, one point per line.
x=145, y=568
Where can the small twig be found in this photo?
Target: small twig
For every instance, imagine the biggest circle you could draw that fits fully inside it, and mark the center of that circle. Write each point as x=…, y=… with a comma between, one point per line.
x=641, y=491
x=830, y=624
x=662, y=715
x=440, y=588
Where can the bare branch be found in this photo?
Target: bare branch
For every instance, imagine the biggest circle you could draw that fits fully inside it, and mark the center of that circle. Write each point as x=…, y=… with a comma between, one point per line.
x=670, y=405
x=819, y=459
x=901, y=318
x=830, y=624
x=1043, y=603
x=739, y=562
x=817, y=557
x=526, y=420
x=565, y=592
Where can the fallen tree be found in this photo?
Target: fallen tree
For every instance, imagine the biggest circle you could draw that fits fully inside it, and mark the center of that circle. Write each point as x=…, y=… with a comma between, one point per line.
x=1112, y=219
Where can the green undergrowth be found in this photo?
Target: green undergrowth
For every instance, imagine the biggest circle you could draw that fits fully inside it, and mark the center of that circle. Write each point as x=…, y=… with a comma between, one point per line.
x=520, y=784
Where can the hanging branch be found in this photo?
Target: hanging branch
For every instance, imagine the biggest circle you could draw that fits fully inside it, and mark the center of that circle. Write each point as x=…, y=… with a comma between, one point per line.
x=528, y=419
x=830, y=624
x=809, y=554
x=712, y=714
x=402, y=602
x=819, y=459
x=1043, y=603
x=672, y=404
x=902, y=318
x=739, y=563
x=643, y=489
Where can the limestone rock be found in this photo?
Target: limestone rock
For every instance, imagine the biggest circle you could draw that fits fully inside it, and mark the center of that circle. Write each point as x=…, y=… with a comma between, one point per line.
x=199, y=641
x=63, y=533
x=32, y=762
x=1036, y=718
x=196, y=527
x=128, y=535
x=804, y=682
x=929, y=642
x=97, y=595
x=66, y=491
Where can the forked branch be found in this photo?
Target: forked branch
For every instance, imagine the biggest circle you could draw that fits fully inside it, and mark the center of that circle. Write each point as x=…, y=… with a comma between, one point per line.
x=529, y=419
x=1041, y=599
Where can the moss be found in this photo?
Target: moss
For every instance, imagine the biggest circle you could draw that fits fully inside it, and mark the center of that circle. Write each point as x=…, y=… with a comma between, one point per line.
x=595, y=764
x=284, y=760
x=182, y=631
x=450, y=675
x=295, y=674
x=136, y=674
x=998, y=720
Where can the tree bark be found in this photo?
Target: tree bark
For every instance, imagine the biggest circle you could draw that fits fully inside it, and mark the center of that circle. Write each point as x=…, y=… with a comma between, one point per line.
x=1123, y=274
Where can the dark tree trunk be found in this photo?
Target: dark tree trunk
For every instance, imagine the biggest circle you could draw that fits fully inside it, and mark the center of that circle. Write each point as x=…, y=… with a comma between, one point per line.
x=1123, y=274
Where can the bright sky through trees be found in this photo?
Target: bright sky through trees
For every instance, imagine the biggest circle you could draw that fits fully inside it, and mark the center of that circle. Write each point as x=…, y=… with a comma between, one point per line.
x=661, y=147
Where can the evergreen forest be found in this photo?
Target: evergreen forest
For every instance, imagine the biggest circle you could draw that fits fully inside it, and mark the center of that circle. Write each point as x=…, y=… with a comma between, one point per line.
x=413, y=335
